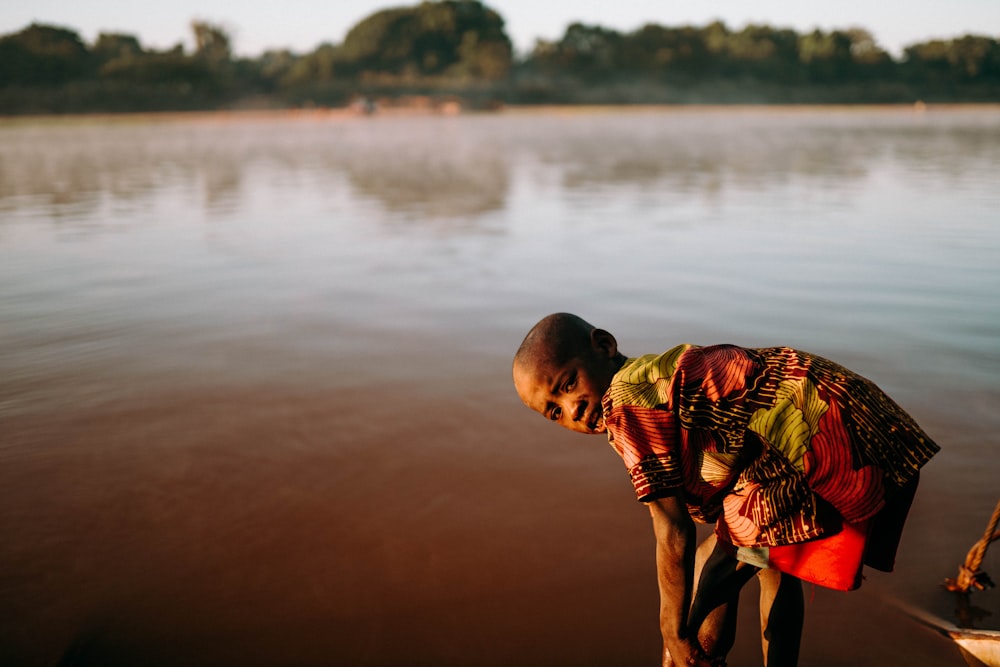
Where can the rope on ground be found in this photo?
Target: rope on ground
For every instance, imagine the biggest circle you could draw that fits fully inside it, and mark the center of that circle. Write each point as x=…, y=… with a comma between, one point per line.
x=969, y=574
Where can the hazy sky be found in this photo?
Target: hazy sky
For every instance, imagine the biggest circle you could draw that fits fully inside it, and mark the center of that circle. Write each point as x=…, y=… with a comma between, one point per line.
x=301, y=25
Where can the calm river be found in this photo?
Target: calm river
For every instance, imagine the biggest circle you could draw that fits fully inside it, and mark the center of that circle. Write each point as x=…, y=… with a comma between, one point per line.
x=255, y=397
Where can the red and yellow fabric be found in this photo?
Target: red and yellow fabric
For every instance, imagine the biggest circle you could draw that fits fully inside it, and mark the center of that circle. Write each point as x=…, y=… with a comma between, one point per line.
x=791, y=454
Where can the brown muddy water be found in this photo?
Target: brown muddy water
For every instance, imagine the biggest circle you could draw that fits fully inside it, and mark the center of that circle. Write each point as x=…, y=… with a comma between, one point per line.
x=255, y=405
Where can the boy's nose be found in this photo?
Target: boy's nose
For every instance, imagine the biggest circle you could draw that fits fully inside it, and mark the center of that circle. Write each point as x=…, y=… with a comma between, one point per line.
x=580, y=411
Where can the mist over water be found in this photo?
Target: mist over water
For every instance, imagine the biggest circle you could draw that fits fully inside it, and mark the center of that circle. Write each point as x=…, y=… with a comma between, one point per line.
x=256, y=404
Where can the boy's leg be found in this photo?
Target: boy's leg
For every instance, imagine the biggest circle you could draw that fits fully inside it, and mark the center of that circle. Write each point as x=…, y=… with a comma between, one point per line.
x=718, y=580
x=781, y=613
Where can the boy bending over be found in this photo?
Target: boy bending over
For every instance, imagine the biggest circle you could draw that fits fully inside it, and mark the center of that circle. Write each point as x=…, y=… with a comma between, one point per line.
x=807, y=469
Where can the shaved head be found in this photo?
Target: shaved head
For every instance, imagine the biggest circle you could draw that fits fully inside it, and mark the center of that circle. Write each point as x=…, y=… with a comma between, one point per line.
x=555, y=338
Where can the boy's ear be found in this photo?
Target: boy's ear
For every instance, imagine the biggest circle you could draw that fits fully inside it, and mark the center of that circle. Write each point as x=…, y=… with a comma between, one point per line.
x=604, y=342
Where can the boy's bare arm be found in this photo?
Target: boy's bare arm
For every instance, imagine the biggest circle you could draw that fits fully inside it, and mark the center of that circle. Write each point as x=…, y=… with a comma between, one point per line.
x=675, y=549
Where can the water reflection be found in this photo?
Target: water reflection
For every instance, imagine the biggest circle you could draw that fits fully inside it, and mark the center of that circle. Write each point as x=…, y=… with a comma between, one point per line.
x=435, y=187
x=440, y=168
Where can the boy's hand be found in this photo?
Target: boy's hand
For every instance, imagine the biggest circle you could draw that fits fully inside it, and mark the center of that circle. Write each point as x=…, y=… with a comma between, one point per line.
x=689, y=654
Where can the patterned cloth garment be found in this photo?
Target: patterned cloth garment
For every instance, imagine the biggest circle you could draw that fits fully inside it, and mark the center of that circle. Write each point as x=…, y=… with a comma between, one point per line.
x=776, y=445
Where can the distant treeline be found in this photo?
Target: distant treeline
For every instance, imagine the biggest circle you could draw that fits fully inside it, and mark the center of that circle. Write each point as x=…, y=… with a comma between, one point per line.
x=459, y=50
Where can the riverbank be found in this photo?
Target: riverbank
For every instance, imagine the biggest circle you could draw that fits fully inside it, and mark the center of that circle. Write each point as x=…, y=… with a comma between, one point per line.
x=451, y=108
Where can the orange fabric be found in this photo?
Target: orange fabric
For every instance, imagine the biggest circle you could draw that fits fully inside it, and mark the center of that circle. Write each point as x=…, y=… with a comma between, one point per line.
x=834, y=562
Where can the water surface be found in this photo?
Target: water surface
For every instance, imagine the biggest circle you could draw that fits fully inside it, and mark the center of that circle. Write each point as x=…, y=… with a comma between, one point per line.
x=256, y=403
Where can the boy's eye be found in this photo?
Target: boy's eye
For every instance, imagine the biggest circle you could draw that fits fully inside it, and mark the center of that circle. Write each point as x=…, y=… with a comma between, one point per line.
x=570, y=384
x=555, y=414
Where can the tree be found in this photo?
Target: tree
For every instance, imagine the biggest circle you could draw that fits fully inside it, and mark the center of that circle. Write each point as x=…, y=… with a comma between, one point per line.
x=965, y=59
x=211, y=42
x=584, y=50
x=274, y=66
x=42, y=54
x=111, y=45
x=446, y=38
x=826, y=55
x=973, y=57
x=318, y=66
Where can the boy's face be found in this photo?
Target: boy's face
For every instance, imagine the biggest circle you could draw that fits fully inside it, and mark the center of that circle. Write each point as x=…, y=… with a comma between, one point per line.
x=570, y=393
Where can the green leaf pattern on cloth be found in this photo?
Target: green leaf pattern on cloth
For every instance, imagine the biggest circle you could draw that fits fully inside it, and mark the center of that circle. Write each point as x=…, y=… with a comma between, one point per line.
x=792, y=421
